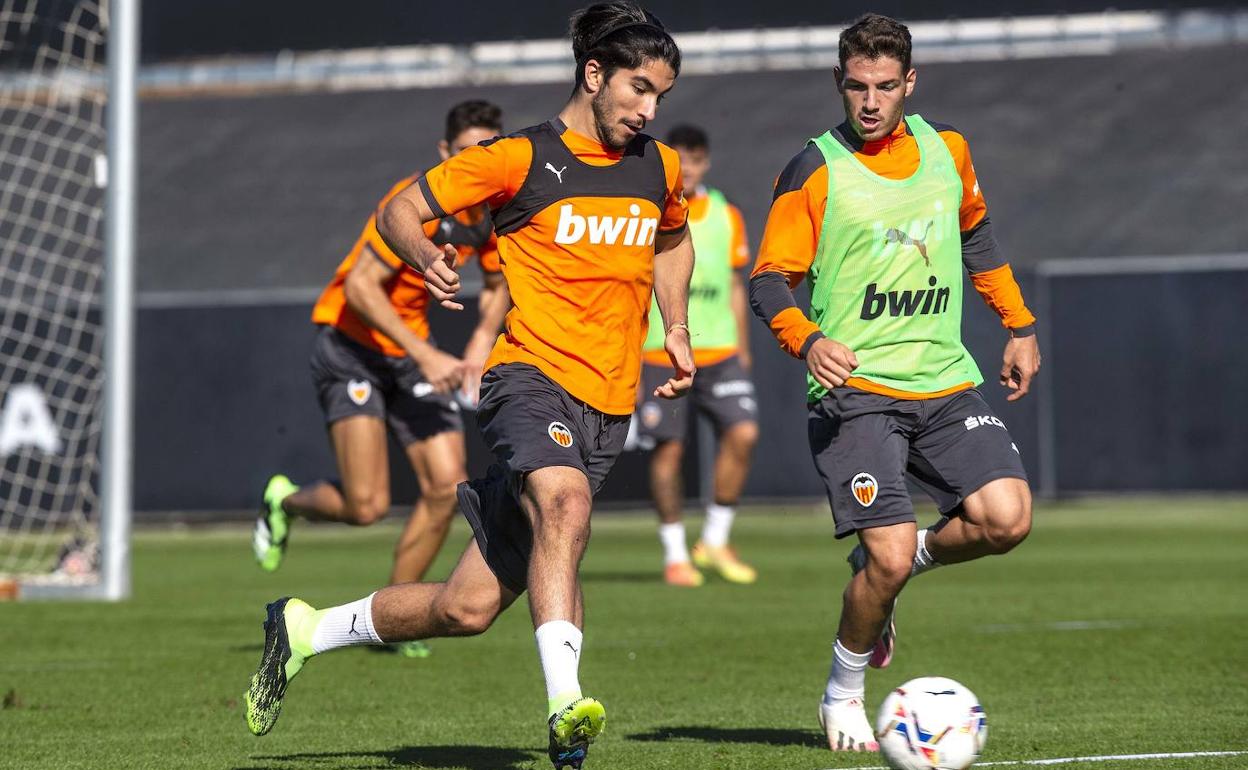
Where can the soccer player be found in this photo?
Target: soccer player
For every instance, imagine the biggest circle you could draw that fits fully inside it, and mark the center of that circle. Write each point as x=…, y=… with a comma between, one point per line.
x=590, y=216
x=882, y=213
x=723, y=390
x=375, y=367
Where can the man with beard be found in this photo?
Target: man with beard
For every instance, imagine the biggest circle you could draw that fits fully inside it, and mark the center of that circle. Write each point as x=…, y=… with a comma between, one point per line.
x=590, y=217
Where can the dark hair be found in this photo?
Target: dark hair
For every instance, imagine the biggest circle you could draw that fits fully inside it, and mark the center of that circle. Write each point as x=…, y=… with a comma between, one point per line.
x=689, y=137
x=474, y=113
x=872, y=35
x=620, y=35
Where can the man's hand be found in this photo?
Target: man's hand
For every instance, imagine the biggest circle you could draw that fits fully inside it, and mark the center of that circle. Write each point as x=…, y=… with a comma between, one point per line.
x=441, y=278
x=680, y=351
x=1022, y=361
x=470, y=374
x=830, y=362
x=441, y=370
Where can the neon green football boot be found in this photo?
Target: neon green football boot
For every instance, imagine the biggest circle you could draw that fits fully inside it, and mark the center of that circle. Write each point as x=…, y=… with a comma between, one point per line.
x=268, y=540
x=572, y=729
x=288, y=629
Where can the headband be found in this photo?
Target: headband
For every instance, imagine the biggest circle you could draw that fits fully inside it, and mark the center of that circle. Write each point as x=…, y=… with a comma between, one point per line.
x=612, y=30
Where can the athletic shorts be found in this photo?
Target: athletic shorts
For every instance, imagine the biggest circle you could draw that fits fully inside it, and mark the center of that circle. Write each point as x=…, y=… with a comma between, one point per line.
x=353, y=380
x=723, y=392
x=530, y=422
x=864, y=445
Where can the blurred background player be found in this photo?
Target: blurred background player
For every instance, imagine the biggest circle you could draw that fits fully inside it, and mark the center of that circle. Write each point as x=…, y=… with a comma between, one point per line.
x=723, y=390
x=883, y=213
x=376, y=367
x=590, y=216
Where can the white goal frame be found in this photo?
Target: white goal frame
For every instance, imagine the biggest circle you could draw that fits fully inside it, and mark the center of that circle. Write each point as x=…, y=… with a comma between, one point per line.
x=117, y=445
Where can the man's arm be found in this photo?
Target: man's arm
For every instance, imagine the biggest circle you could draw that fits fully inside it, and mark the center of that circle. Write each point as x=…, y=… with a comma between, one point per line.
x=401, y=224
x=739, y=305
x=364, y=289
x=673, y=267
x=790, y=240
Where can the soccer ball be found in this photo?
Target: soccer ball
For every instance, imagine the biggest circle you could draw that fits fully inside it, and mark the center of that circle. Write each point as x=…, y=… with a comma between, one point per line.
x=931, y=723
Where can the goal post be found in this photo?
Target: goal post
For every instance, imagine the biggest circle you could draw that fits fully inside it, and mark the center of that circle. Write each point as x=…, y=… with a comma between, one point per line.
x=68, y=141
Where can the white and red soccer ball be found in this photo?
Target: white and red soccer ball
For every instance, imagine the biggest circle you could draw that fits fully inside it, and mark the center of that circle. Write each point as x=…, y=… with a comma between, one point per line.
x=931, y=723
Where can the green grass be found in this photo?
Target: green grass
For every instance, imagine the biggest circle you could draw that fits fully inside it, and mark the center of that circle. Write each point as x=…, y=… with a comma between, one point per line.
x=721, y=677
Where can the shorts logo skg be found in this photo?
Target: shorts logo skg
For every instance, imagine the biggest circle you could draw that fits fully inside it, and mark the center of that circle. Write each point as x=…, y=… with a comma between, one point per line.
x=559, y=434
x=359, y=391
x=865, y=489
x=972, y=423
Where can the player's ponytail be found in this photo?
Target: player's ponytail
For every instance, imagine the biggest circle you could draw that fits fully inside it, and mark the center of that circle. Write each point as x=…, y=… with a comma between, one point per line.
x=620, y=35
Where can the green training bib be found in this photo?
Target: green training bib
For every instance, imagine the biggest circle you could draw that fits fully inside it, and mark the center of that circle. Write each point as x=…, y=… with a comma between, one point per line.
x=886, y=280
x=711, y=322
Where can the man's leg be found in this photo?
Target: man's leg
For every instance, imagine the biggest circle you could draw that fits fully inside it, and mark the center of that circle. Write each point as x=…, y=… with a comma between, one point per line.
x=732, y=467
x=994, y=519
x=360, y=446
x=439, y=463
x=667, y=488
x=466, y=604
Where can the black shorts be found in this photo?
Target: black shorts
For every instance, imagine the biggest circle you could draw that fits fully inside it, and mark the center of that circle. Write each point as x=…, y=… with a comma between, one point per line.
x=864, y=445
x=530, y=422
x=353, y=380
x=723, y=392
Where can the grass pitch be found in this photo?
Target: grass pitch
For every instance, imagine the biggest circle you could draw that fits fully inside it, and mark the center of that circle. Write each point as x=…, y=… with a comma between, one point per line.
x=1119, y=627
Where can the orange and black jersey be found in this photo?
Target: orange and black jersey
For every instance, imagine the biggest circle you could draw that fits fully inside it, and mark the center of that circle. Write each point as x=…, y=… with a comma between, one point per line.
x=799, y=202
x=470, y=232
x=576, y=223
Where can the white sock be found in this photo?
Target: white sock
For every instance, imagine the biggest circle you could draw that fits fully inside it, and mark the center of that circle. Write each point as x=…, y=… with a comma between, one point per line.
x=849, y=674
x=347, y=625
x=718, y=524
x=559, y=647
x=923, y=561
x=672, y=536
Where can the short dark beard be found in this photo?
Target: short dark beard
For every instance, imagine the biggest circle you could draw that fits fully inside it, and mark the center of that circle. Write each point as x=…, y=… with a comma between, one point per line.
x=602, y=116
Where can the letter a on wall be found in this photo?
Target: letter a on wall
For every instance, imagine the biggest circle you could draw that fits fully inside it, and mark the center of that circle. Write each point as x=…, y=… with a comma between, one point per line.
x=27, y=421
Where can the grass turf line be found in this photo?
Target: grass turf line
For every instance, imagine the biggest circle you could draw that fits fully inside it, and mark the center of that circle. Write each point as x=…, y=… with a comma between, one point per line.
x=722, y=677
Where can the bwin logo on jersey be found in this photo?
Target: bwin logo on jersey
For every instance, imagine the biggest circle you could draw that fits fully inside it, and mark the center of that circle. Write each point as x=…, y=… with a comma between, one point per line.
x=908, y=302
x=635, y=230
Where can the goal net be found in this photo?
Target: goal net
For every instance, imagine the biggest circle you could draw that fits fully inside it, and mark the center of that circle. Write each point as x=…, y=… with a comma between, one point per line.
x=53, y=180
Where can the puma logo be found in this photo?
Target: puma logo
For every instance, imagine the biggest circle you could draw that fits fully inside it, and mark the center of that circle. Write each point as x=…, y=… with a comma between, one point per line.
x=893, y=235
x=570, y=647
x=353, y=632
x=557, y=172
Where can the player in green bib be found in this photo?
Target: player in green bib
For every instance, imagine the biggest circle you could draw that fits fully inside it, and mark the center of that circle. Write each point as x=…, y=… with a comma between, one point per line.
x=881, y=216
x=722, y=390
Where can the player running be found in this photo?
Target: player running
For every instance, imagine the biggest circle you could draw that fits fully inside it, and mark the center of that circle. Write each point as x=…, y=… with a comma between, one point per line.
x=723, y=390
x=590, y=216
x=883, y=212
x=375, y=367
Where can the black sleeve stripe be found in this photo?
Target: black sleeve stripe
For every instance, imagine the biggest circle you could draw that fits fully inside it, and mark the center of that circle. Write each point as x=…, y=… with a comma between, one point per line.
x=770, y=296
x=944, y=127
x=434, y=206
x=980, y=252
x=805, y=163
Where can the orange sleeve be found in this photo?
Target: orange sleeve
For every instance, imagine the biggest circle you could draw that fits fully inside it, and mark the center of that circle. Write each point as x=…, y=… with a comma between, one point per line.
x=973, y=208
x=490, y=261
x=484, y=173
x=791, y=235
x=792, y=328
x=740, y=243
x=1000, y=291
x=676, y=212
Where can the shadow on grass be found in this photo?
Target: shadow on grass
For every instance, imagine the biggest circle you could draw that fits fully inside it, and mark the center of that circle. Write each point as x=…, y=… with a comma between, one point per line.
x=767, y=736
x=431, y=757
x=259, y=647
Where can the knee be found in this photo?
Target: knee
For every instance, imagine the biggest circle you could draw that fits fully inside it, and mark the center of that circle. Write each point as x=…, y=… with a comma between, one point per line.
x=889, y=569
x=565, y=512
x=1009, y=527
x=440, y=499
x=666, y=459
x=742, y=437
x=363, y=509
x=461, y=618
